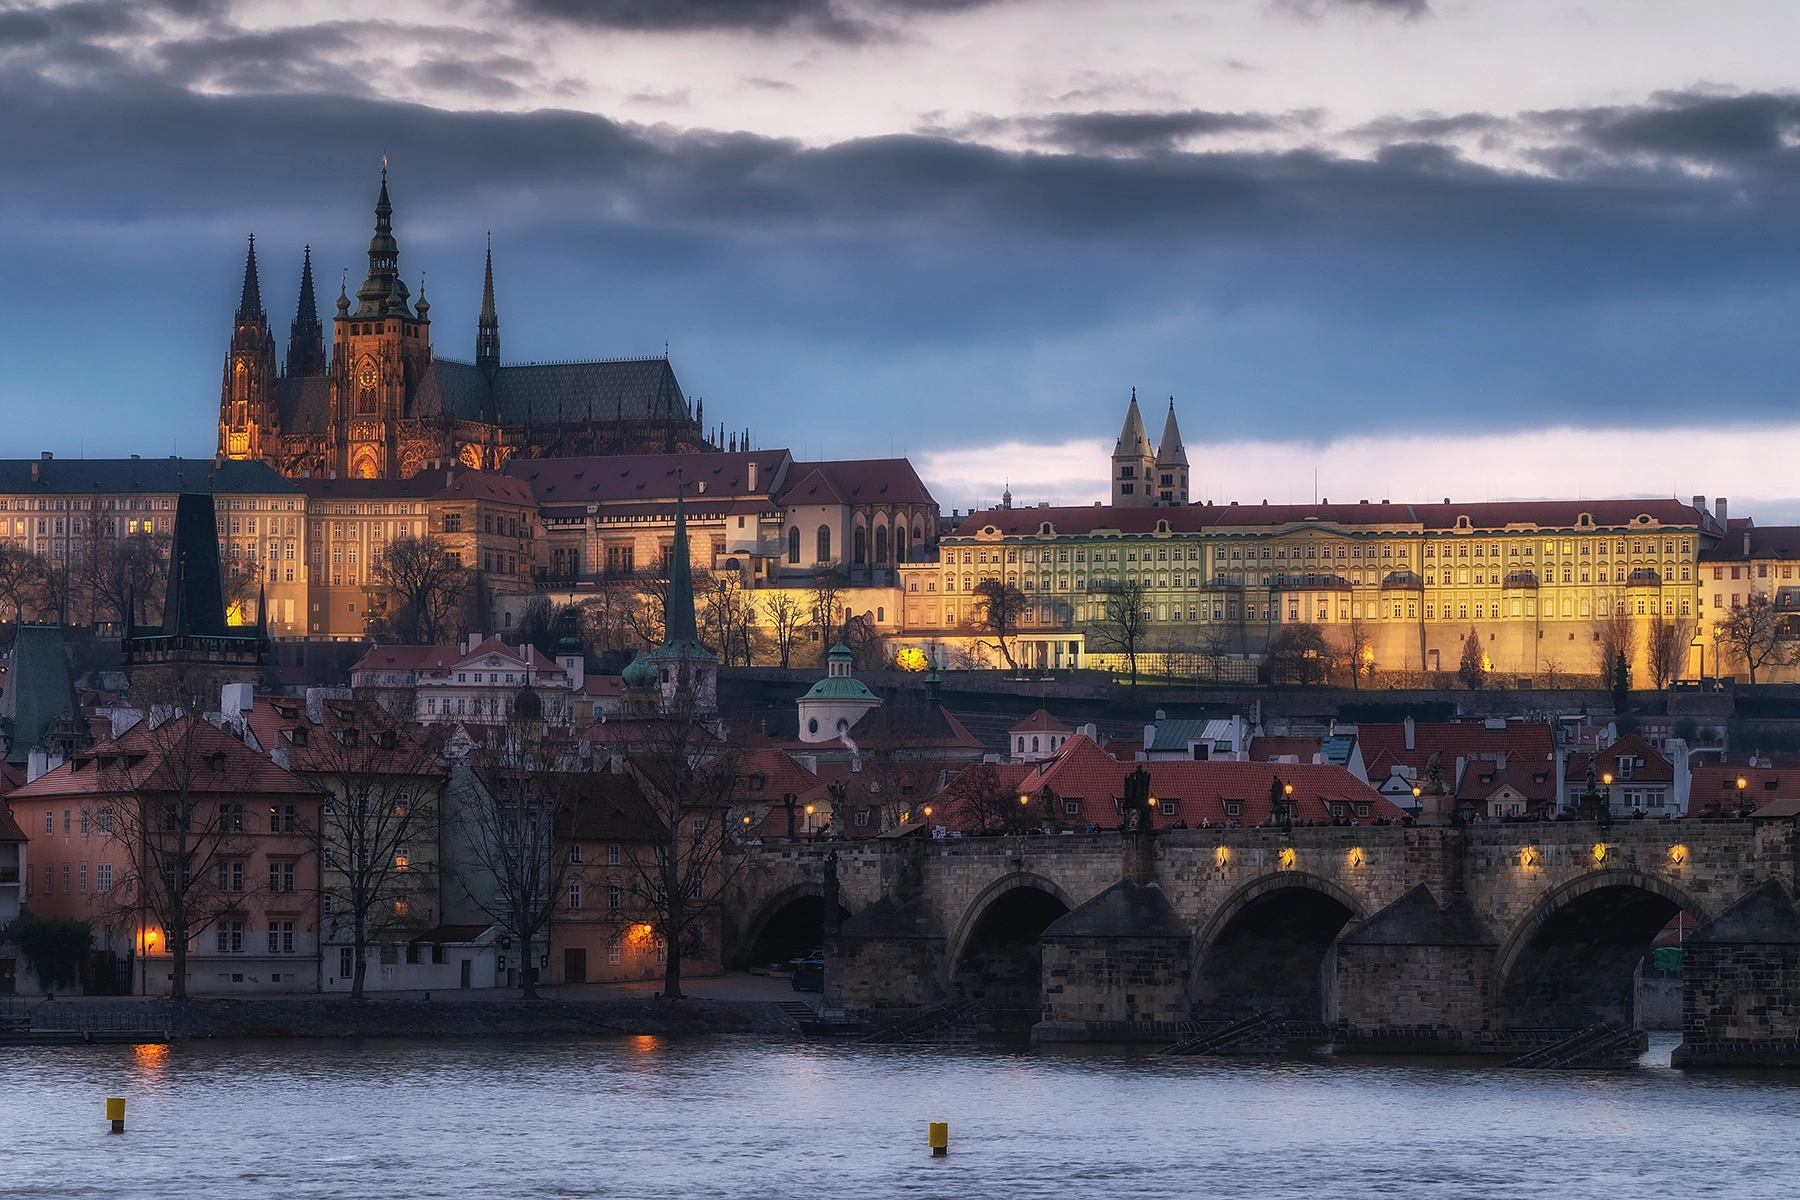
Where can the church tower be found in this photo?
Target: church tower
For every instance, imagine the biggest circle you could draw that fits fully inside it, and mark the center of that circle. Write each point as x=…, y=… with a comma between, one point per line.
x=1134, y=463
x=1171, y=464
x=487, y=329
x=380, y=351
x=306, y=337
x=248, y=418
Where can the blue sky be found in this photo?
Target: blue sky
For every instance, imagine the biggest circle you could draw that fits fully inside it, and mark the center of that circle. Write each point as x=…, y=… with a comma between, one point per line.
x=1410, y=246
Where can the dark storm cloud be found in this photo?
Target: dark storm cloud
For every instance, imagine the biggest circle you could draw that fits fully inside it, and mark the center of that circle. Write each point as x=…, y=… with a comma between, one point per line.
x=847, y=19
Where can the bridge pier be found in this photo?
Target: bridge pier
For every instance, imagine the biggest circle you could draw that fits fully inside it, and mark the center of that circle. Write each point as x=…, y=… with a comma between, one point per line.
x=1416, y=978
x=1741, y=985
x=1115, y=970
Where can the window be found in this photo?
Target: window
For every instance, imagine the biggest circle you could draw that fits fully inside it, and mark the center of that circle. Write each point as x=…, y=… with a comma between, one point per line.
x=346, y=963
x=281, y=877
x=574, y=852
x=615, y=898
x=1234, y=808
x=229, y=936
x=284, y=818
x=1071, y=808
x=103, y=877
x=794, y=545
x=452, y=522
x=231, y=818
x=281, y=937
x=613, y=951
x=824, y=544
x=612, y=855
x=82, y=877
x=231, y=877
x=574, y=895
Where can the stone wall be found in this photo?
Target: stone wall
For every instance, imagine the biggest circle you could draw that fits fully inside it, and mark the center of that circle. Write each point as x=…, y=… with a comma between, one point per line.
x=1113, y=989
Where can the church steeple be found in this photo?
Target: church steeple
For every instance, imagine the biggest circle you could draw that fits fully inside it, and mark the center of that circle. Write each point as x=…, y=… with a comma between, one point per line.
x=680, y=626
x=248, y=418
x=306, y=337
x=1134, y=462
x=382, y=293
x=487, y=329
x=1171, y=464
x=250, y=309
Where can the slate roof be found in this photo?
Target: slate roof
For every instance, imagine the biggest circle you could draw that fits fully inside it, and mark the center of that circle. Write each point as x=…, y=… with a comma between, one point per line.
x=1746, y=541
x=39, y=691
x=650, y=478
x=640, y=389
x=304, y=403
x=70, y=476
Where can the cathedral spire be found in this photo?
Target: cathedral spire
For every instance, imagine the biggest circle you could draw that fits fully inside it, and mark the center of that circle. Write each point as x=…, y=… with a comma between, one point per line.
x=487, y=330
x=382, y=293
x=250, y=309
x=306, y=337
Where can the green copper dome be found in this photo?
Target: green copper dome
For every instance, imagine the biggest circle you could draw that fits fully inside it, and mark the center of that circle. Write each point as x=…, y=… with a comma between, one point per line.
x=639, y=675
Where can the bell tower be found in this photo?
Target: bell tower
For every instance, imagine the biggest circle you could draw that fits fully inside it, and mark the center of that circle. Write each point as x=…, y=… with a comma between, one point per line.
x=1134, y=462
x=380, y=350
x=249, y=421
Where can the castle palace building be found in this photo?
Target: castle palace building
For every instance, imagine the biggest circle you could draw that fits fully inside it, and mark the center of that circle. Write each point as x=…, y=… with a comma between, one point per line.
x=385, y=406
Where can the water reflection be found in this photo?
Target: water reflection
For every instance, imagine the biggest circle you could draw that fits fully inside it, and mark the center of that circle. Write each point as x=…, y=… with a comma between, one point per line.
x=652, y=1118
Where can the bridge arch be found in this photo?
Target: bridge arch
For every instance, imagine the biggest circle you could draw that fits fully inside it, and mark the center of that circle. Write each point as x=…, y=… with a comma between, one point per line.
x=996, y=958
x=1265, y=948
x=1570, y=962
x=783, y=922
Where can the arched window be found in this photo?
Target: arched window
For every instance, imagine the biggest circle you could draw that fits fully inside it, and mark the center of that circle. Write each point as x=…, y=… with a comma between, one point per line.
x=900, y=544
x=860, y=555
x=794, y=545
x=824, y=544
x=881, y=545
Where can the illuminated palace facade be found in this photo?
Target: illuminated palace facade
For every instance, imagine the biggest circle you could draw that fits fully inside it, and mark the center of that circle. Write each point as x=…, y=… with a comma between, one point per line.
x=1531, y=578
x=383, y=405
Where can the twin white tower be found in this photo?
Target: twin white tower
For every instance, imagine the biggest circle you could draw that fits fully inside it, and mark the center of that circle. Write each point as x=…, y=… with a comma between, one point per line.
x=1143, y=477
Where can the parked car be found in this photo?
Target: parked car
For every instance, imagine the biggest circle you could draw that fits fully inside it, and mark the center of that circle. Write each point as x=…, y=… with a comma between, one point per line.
x=809, y=976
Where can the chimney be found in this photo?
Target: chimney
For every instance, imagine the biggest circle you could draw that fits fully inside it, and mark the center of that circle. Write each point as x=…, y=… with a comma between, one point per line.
x=1721, y=512
x=450, y=478
x=1746, y=543
x=38, y=761
x=236, y=698
x=752, y=470
x=1408, y=726
x=1700, y=504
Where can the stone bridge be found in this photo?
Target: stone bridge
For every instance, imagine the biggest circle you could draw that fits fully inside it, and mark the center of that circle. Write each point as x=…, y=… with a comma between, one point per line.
x=1395, y=938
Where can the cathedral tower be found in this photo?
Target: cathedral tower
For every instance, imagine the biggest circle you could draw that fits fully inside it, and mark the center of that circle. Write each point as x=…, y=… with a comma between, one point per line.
x=1134, y=463
x=380, y=351
x=1171, y=464
x=487, y=329
x=249, y=421
x=306, y=337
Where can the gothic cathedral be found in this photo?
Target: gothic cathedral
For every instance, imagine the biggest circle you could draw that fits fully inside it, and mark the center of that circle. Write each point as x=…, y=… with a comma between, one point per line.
x=385, y=406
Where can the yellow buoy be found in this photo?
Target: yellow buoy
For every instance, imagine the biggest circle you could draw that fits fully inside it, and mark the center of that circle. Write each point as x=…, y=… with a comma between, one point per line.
x=940, y=1139
x=115, y=1112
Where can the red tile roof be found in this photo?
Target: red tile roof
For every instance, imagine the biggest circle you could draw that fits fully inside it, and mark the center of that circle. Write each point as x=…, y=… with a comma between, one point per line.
x=854, y=481
x=1041, y=722
x=407, y=658
x=143, y=758
x=1196, y=792
x=485, y=485
x=276, y=721
x=1713, y=789
x=9, y=828
x=1268, y=749
x=1495, y=516
x=1535, y=780
x=1654, y=769
x=1384, y=746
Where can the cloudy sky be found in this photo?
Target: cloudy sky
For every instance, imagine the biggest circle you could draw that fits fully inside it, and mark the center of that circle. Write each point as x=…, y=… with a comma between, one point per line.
x=1373, y=248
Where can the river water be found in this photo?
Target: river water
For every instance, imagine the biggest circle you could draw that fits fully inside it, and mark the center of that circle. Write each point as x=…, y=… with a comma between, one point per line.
x=645, y=1118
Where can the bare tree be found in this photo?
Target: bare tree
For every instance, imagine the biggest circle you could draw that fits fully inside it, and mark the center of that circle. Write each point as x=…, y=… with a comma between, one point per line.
x=998, y=607
x=725, y=614
x=1755, y=635
x=425, y=585
x=687, y=775
x=644, y=614
x=1122, y=622
x=1215, y=647
x=1301, y=654
x=977, y=799
x=125, y=571
x=379, y=788
x=1360, y=652
x=786, y=616
x=180, y=798
x=1615, y=634
x=21, y=581
x=1668, y=640
x=512, y=801
x=603, y=617
x=828, y=614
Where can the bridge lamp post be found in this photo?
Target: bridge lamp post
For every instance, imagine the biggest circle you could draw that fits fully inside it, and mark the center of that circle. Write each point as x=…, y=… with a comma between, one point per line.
x=1742, y=784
